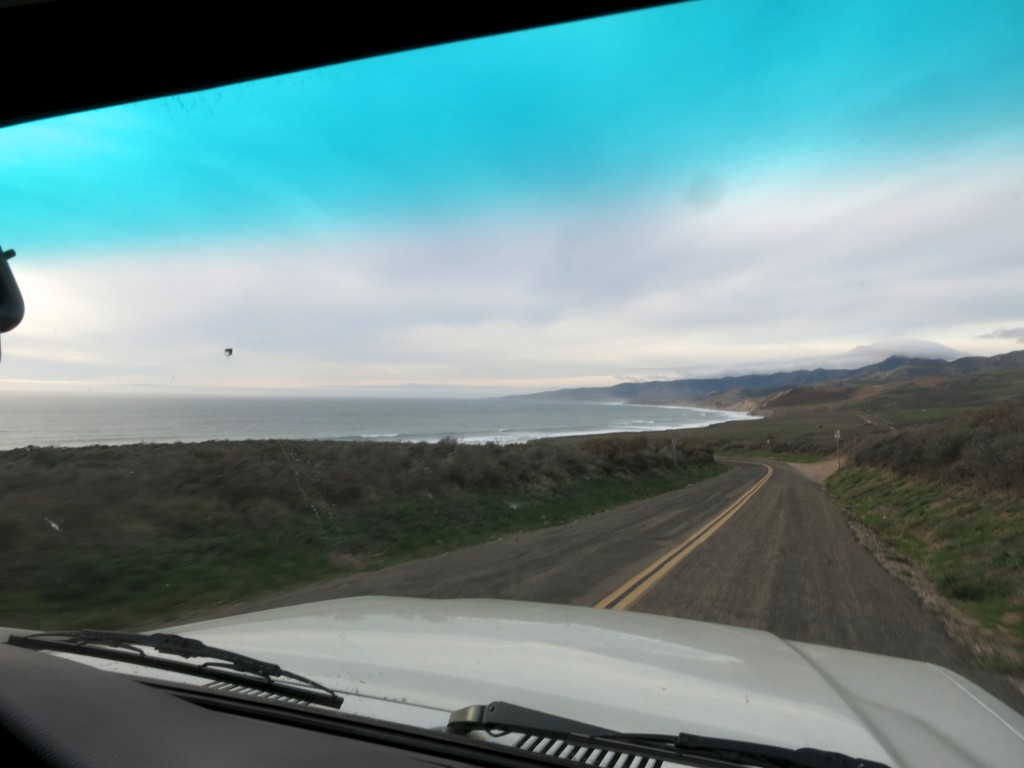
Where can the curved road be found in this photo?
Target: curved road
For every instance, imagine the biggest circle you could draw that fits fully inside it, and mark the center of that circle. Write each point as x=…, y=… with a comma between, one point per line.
x=784, y=561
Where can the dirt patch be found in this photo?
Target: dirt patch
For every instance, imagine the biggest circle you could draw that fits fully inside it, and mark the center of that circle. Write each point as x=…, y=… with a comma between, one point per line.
x=818, y=471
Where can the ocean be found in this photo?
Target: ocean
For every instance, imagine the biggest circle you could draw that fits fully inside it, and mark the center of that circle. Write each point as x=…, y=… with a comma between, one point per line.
x=95, y=419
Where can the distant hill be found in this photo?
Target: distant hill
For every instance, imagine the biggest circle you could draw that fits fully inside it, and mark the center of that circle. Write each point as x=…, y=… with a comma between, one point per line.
x=818, y=386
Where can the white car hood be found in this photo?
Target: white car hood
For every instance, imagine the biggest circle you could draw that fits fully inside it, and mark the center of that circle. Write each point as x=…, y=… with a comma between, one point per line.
x=628, y=672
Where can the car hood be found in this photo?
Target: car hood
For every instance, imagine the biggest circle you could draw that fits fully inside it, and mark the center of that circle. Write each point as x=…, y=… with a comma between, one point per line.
x=417, y=660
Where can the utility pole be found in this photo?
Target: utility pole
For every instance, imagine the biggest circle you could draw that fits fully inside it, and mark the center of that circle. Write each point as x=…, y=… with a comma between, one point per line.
x=839, y=456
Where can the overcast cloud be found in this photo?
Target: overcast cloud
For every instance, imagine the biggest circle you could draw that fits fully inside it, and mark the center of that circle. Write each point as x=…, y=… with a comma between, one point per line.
x=574, y=206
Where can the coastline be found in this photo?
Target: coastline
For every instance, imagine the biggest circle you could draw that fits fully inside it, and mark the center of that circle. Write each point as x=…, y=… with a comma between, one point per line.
x=77, y=421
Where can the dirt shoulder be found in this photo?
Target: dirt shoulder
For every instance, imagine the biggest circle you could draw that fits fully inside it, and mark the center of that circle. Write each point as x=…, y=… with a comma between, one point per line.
x=817, y=472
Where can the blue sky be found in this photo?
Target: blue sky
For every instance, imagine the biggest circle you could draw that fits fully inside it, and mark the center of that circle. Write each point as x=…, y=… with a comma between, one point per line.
x=716, y=186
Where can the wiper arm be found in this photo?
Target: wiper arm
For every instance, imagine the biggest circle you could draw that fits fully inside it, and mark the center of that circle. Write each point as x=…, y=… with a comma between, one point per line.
x=499, y=717
x=227, y=666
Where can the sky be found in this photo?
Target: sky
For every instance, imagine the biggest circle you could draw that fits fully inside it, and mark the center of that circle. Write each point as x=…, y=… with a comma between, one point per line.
x=716, y=187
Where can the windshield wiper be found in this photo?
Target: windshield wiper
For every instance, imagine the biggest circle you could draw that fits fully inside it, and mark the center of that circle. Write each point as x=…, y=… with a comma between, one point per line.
x=501, y=718
x=226, y=666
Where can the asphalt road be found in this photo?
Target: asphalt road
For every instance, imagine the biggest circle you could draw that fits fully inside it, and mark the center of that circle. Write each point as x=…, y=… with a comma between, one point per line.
x=785, y=561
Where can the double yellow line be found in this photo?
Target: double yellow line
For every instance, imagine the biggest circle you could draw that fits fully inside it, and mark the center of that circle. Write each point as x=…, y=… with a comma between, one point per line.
x=636, y=587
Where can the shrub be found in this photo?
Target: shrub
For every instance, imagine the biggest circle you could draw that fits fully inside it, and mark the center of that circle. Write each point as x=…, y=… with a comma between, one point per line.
x=986, y=451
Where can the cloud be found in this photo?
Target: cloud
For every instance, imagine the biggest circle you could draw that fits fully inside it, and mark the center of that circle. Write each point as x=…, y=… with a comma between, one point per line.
x=773, y=273
x=1017, y=334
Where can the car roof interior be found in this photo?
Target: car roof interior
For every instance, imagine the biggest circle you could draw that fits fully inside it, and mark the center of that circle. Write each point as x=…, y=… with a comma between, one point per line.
x=65, y=56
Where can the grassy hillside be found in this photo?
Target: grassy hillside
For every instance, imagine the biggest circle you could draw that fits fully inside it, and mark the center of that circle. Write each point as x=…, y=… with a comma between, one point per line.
x=969, y=545
x=983, y=450
x=121, y=536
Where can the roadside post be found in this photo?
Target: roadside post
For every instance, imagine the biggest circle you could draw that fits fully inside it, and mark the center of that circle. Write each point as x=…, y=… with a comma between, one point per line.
x=839, y=456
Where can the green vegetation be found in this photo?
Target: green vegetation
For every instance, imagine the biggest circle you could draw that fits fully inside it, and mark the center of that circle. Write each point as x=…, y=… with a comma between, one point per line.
x=948, y=498
x=983, y=450
x=902, y=417
x=969, y=545
x=796, y=458
x=131, y=535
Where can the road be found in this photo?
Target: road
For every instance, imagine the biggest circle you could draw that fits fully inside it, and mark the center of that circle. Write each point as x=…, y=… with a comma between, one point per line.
x=784, y=561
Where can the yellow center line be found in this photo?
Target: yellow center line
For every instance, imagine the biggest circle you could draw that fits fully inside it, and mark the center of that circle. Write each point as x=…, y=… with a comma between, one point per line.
x=636, y=587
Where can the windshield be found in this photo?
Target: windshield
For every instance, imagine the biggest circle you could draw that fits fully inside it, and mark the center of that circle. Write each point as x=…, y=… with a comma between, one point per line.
x=708, y=311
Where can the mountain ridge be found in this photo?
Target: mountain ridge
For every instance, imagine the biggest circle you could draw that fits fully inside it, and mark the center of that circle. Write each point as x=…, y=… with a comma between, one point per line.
x=752, y=391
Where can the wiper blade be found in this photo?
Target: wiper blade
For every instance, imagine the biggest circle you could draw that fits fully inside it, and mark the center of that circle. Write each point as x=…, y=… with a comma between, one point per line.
x=226, y=666
x=499, y=717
